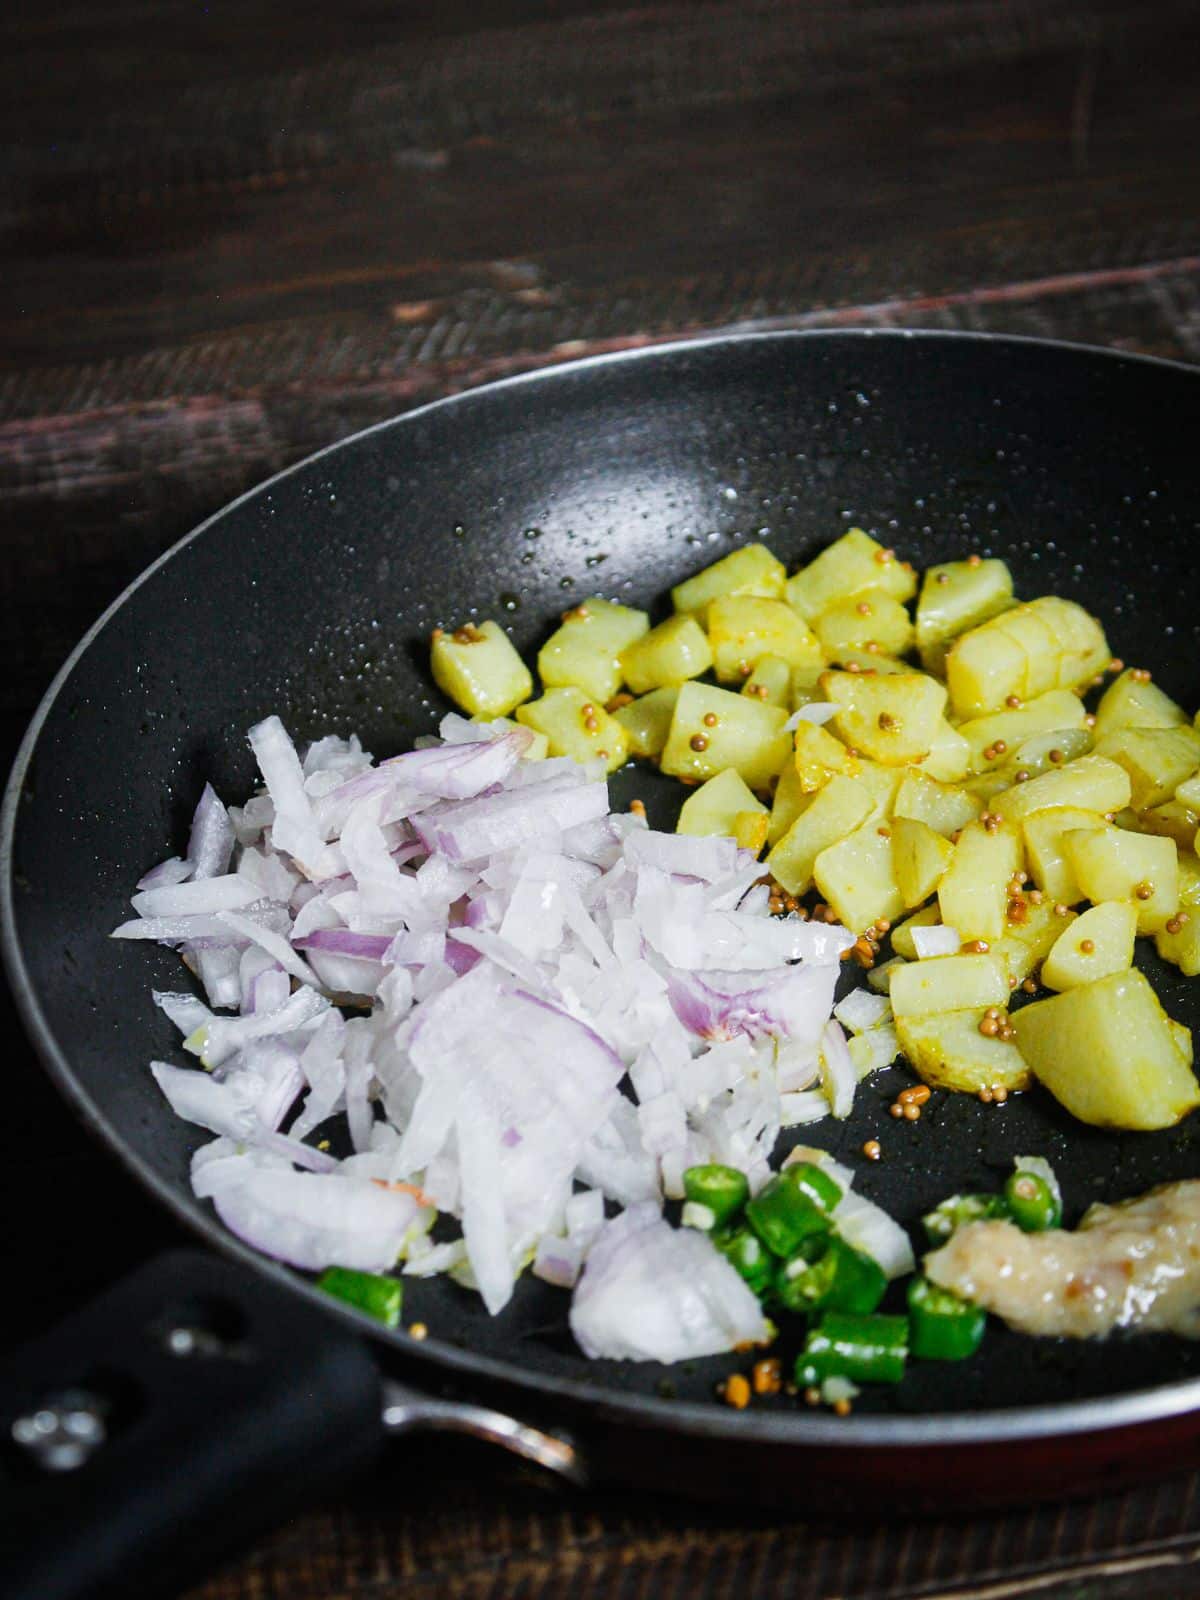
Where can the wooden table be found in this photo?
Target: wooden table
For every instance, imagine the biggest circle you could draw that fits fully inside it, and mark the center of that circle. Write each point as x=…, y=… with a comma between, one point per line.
x=230, y=237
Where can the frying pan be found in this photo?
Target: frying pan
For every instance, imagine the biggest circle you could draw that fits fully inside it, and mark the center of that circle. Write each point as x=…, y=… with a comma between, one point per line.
x=313, y=596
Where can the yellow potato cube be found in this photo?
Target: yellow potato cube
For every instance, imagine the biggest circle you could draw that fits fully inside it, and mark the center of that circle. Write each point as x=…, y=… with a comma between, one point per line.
x=667, y=656
x=584, y=653
x=1172, y=820
x=855, y=878
x=1157, y=760
x=789, y=800
x=1106, y=1051
x=750, y=829
x=919, y=858
x=836, y=810
x=1029, y=937
x=974, y=890
x=1131, y=702
x=750, y=570
x=902, y=933
x=996, y=736
x=1097, y=944
x=576, y=726
x=892, y=719
x=954, y=597
x=880, y=782
x=771, y=681
x=1093, y=782
x=818, y=755
x=1110, y=864
x=1179, y=942
x=713, y=729
x=478, y=667
x=743, y=628
x=943, y=808
x=647, y=721
x=714, y=808
x=948, y=1051
x=851, y=565
x=949, y=757
x=948, y=983
x=1048, y=864
x=855, y=622
x=1046, y=644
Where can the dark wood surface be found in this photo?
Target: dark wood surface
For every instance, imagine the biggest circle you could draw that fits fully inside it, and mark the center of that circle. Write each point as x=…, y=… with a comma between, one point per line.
x=230, y=235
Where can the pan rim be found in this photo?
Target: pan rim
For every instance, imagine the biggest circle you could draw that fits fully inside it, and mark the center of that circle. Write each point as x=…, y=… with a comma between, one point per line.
x=977, y=1427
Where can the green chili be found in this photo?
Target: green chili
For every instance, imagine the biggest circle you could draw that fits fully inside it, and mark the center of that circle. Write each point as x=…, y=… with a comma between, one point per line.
x=792, y=1206
x=946, y=1219
x=941, y=1325
x=839, y=1279
x=865, y=1349
x=1032, y=1203
x=748, y=1256
x=724, y=1190
x=378, y=1296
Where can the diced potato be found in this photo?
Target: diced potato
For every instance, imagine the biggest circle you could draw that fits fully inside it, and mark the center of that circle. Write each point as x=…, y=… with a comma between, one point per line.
x=1172, y=820
x=881, y=782
x=678, y=649
x=750, y=829
x=1183, y=1040
x=789, y=800
x=750, y=570
x=949, y=983
x=873, y=1050
x=818, y=755
x=1048, y=864
x=1097, y=944
x=948, y=1051
x=576, y=726
x=871, y=661
x=954, y=597
x=1183, y=946
x=853, y=623
x=478, y=667
x=1110, y=864
x=1029, y=938
x=713, y=729
x=838, y=809
x=891, y=719
x=1107, y=1052
x=855, y=878
x=1188, y=792
x=1189, y=881
x=880, y=978
x=806, y=684
x=851, y=565
x=994, y=737
x=743, y=628
x=647, y=721
x=974, y=890
x=1045, y=752
x=584, y=653
x=1093, y=782
x=716, y=805
x=942, y=808
x=949, y=757
x=919, y=858
x=1046, y=644
x=771, y=681
x=1157, y=760
x=1131, y=702
x=902, y=933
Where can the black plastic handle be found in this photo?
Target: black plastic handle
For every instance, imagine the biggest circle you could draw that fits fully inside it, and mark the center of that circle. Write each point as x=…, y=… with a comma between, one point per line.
x=180, y=1414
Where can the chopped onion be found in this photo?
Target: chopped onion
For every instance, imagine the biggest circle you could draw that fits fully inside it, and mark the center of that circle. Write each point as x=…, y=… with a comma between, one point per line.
x=936, y=940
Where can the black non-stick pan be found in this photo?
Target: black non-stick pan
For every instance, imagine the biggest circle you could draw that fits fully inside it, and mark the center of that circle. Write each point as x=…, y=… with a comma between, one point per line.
x=221, y=1388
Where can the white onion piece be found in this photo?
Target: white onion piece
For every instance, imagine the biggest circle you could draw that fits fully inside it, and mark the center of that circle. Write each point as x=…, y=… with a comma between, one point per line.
x=558, y=1260
x=225, y=1106
x=211, y=842
x=936, y=941
x=651, y=1292
x=863, y=1009
x=317, y=1220
x=295, y=826
x=274, y=944
x=817, y=712
x=839, y=1077
x=197, y=897
x=869, y=1228
x=802, y=1107
x=172, y=870
x=186, y=1011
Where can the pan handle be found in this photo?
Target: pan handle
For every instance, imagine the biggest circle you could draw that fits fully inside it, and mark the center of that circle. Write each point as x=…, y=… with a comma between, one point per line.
x=183, y=1413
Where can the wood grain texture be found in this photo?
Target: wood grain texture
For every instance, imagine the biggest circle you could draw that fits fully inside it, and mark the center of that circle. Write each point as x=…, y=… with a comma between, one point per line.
x=231, y=237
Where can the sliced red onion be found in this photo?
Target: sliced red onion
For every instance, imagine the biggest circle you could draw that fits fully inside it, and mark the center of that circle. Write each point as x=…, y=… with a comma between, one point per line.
x=558, y=1260
x=473, y=829
x=224, y=1106
x=461, y=771
x=870, y=1229
x=220, y=1038
x=197, y=897
x=170, y=871
x=295, y=826
x=863, y=1009
x=707, y=858
x=936, y=941
x=317, y=1220
x=801, y=1107
x=342, y=942
x=651, y=1292
x=217, y=970
x=840, y=1080
x=186, y=1011
x=818, y=712
x=274, y=944
x=211, y=842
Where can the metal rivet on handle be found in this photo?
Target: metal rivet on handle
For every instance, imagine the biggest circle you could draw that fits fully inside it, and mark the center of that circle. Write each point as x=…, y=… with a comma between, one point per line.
x=64, y=1433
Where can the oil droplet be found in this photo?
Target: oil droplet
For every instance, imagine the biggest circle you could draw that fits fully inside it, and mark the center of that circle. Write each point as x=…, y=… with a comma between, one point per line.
x=527, y=558
x=533, y=533
x=459, y=531
x=510, y=601
x=566, y=583
x=595, y=561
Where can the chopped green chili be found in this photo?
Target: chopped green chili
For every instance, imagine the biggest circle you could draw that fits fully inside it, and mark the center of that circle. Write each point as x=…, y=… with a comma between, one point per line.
x=841, y=1278
x=378, y=1296
x=946, y=1219
x=724, y=1190
x=865, y=1349
x=748, y=1256
x=1032, y=1203
x=790, y=1208
x=942, y=1326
